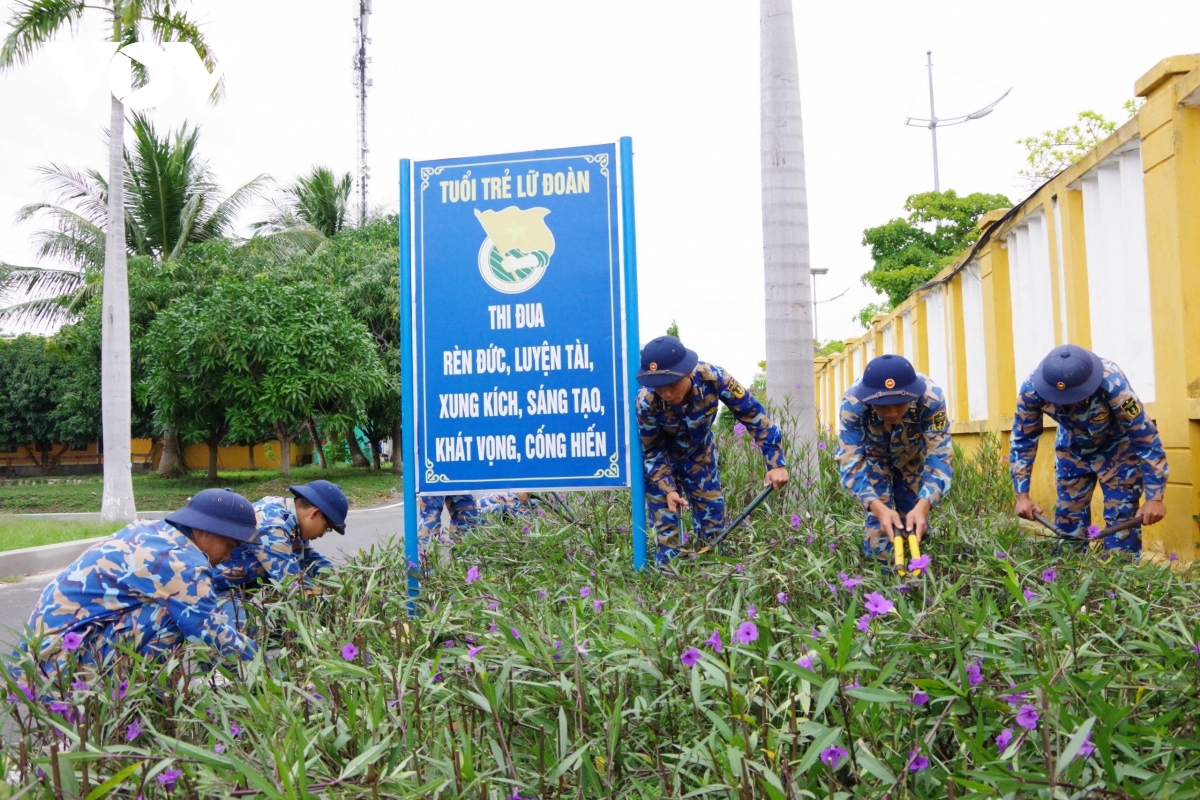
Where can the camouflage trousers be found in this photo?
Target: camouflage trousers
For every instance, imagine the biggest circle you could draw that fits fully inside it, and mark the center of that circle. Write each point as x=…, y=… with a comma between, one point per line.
x=503, y=506
x=700, y=483
x=1119, y=473
x=464, y=515
x=875, y=544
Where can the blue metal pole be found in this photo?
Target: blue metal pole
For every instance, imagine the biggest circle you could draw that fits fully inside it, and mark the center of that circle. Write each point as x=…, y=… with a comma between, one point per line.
x=408, y=387
x=637, y=477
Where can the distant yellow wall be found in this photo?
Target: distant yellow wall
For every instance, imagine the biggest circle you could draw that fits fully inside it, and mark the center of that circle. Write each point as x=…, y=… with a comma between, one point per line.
x=1166, y=131
x=146, y=453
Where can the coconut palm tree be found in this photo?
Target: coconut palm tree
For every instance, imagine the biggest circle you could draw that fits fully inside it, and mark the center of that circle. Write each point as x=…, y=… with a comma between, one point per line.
x=171, y=201
x=32, y=24
x=311, y=210
x=790, y=383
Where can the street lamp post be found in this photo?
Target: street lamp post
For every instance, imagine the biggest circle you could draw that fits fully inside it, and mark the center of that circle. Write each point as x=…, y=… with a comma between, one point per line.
x=933, y=123
x=815, y=271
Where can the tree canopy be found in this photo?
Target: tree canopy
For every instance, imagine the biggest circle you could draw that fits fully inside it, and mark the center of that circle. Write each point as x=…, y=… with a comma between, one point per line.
x=910, y=250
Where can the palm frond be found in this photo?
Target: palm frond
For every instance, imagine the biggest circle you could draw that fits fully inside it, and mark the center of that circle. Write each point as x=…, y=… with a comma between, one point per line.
x=33, y=23
x=73, y=239
x=88, y=191
x=220, y=221
x=41, y=315
x=294, y=240
x=40, y=282
x=176, y=27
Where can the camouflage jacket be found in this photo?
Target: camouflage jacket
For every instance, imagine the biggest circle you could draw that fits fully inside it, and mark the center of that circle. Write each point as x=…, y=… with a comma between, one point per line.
x=144, y=563
x=917, y=448
x=1092, y=427
x=682, y=434
x=278, y=554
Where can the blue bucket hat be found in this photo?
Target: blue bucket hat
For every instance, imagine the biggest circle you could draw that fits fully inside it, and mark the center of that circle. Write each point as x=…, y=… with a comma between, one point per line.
x=329, y=499
x=664, y=361
x=889, y=380
x=1068, y=374
x=220, y=511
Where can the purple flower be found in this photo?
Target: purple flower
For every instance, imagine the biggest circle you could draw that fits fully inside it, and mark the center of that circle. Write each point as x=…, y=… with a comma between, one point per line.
x=796, y=521
x=1015, y=699
x=920, y=562
x=1027, y=717
x=919, y=698
x=833, y=756
x=80, y=685
x=864, y=623
x=814, y=634
x=690, y=657
x=903, y=589
x=349, y=652
x=832, y=546
x=598, y=604
x=493, y=628
x=1087, y=749
x=751, y=611
x=878, y=604
x=746, y=633
x=1173, y=557
x=820, y=445
x=781, y=597
x=832, y=587
x=473, y=651
x=1003, y=738
x=805, y=661
x=524, y=529
x=1050, y=576
x=974, y=674
x=740, y=568
x=541, y=513
x=494, y=605
x=413, y=565
x=1029, y=594
x=472, y=575
x=542, y=594
x=219, y=748
x=714, y=641
x=739, y=430
x=585, y=591
x=916, y=762
x=516, y=633
x=1093, y=531
x=132, y=731
x=234, y=730
x=122, y=688
x=812, y=537
x=168, y=777
x=71, y=641
x=1001, y=554
x=1112, y=595
x=848, y=582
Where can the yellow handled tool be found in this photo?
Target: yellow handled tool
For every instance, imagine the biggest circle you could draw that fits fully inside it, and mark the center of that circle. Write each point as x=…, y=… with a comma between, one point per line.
x=914, y=547
x=898, y=544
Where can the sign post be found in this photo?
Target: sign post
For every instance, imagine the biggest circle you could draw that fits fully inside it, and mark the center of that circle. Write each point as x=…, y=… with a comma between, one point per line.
x=519, y=304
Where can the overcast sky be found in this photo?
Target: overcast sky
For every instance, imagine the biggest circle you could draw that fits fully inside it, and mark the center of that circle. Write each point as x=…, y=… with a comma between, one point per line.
x=681, y=78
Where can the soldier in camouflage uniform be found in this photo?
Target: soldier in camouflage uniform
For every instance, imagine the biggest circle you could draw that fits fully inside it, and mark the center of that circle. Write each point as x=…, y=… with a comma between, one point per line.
x=894, y=450
x=675, y=411
x=147, y=587
x=1103, y=435
x=464, y=515
x=504, y=505
x=287, y=527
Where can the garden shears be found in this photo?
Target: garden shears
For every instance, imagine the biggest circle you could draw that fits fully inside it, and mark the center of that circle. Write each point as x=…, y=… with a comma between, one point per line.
x=914, y=546
x=720, y=537
x=1121, y=528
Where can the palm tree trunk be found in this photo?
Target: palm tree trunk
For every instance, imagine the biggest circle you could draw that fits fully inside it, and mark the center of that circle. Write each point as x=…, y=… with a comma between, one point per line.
x=397, y=454
x=790, y=382
x=169, y=463
x=356, y=454
x=115, y=399
x=312, y=431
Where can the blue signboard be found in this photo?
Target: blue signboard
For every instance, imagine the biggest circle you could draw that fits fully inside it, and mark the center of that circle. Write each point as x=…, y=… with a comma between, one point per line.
x=518, y=323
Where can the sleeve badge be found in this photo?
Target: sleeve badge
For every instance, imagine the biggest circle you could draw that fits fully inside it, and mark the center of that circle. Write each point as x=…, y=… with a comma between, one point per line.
x=939, y=422
x=736, y=389
x=1132, y=407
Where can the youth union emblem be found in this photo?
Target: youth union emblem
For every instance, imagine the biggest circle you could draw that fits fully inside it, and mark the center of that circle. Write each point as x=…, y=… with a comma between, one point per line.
x=517, y=249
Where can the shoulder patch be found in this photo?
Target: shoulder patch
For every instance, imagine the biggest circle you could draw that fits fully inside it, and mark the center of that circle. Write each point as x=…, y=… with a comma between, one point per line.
x=939, y=421
x=736, y=389
x=1132, y=407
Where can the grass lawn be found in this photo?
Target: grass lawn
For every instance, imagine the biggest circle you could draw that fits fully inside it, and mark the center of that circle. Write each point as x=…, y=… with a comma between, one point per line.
x=364, y=487
x=18, y=532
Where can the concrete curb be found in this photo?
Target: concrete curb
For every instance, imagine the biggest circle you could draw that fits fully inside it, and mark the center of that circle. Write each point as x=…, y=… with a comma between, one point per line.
x=43, y=558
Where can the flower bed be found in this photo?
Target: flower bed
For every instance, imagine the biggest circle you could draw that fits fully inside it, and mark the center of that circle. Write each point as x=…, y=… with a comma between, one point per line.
x=541, y=666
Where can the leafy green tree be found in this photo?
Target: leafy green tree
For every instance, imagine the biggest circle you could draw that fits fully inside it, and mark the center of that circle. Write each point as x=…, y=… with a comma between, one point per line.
x=276, y=354
x=32, y=24
x=311, y=210
x=826, y=349
x=673, y=329
x=869, y=312
x=910, y=250
x=1054, y=150
x=172, y=201
x=35, y=376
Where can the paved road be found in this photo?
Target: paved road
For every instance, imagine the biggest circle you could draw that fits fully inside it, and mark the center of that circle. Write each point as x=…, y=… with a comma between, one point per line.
x=365, y=527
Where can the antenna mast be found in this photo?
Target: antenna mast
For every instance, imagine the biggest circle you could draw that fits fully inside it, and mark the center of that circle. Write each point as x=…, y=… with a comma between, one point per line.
x=362, y=83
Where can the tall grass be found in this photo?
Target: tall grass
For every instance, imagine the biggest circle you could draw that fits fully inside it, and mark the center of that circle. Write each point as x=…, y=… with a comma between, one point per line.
x=560, y=673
